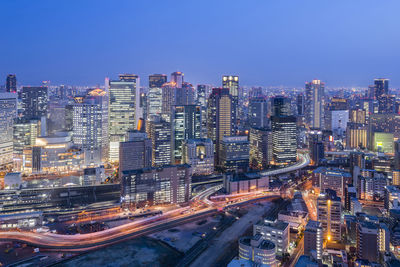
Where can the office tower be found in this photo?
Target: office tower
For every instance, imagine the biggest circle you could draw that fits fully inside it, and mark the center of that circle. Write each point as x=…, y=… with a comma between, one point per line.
x=258, y=112
x=356, y=135
x=314, y=104
x=177, y=79
x=203, y=91
x=367, y=241
x=280, y=106
x=135, y=153
x=124, y=110
x=338, y=121
x=34, y=102
x=300, y=101
x=284, y=139
x=8, y=113
x=381, y=87
x=168, y=92
x=328, y=214
x=24, y=134
x=234, y=156
x=160, y=133
x=313, y=239
x=219, y=117
x=357, y=116
x=186, y=124
x=260, y=148
x=316, y=152
x=157, y=80
x=157, y=185
x=383, y=142
x=232, y=83
x=275, y=231
x=154, y=101
x=202, y=94
x=199, y=154
x=185, y=95
x=386, y=104
x=11, y=83
x=257, y=250
x=90, y=126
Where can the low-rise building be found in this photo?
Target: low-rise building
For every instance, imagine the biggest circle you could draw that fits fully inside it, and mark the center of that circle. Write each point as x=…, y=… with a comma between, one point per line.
x=258, y=250
x=296, y=219
x=275, y=231
x=245, y=182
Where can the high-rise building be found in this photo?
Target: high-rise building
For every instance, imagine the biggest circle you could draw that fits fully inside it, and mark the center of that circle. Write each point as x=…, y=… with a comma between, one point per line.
x=199, y=154
x=177, y=79
x=158, y=185
x=284, y=139
x=124, y=110
x=367, y=241
x=220, y=121
x=381, y=87
x=316, y=152
x=260, y=148
x=258, y=112
x=34, y=102
x=358, y=116
x=314, y=104
x=8, y=113
x=185, y=95
x=168, y=92
x=234, y=156
x=160, y=133
x=11, y=83
x=300, y=101
x=157, y=80
x=356, y=135
x=203, y=91
x=135, y=153
x=280, y=106
x=90, y=126
x=186, y=124
x=329, y=214
x=313, y=239
x=232, y=83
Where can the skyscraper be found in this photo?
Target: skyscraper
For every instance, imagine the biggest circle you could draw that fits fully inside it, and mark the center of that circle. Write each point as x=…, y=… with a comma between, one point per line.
x=381, y=86
x=90, y=126
x=11, y=83
x=260, y=148
x=185, y=95
x=8, y=113
x=219, y=118
x=300, y=101
x=232, y=83
x=284, y=139
x=234, y=154
x=186, y=124
x=157, y=80
x=177, y=78
x=160, y=133
x=199, y=154
x=314, y=105
x=34, y=102
x=280, y=106
x=258, y=112
x=135, y=153
x=124, y=110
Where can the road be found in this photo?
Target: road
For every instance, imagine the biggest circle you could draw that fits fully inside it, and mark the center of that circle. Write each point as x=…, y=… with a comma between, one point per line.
x=137, y=228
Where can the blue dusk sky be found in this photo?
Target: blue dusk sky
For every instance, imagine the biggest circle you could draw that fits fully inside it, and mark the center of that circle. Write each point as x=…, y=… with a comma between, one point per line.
x=266, y=42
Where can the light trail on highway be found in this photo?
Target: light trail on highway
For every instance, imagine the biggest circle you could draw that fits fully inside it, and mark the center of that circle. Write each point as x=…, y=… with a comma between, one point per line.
x=85, y=242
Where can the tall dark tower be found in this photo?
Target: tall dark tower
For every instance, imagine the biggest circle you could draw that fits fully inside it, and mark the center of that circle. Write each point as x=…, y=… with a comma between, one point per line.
x=34, y=102
x=11, y=83
x=157, y=80
x=381, y=87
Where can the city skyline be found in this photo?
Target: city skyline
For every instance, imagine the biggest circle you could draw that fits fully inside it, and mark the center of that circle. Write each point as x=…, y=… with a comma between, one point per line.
x=266, y=43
